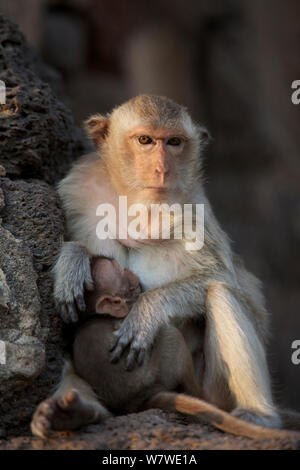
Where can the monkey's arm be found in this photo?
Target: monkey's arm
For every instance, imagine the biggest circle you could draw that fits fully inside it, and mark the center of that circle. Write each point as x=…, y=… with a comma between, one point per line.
x=72, y=274
x=180, y=299
x=236, y=373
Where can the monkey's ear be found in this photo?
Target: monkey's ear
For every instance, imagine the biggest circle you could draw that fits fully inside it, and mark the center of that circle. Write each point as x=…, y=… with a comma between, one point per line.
x=97, y=127
x=111, y=305
x=205, y=136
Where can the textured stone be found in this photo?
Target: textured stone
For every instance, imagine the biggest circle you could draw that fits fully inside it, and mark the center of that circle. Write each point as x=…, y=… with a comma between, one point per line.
x=37, y=134
x=31, y=231
x=37, y=140
x=149, y=430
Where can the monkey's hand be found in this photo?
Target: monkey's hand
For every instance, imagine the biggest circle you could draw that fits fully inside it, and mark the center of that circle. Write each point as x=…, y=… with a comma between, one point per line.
x=72, y=275
x=137, y=331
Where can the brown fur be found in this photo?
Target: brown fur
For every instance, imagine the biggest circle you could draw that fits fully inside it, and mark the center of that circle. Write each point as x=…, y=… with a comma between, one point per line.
x=115, y=289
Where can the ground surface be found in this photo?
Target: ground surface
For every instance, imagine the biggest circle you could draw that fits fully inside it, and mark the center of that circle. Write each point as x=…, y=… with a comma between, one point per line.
x=148, y=430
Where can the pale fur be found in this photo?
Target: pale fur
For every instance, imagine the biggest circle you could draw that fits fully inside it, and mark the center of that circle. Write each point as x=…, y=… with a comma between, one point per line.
x=186, y=276
x=180, y=285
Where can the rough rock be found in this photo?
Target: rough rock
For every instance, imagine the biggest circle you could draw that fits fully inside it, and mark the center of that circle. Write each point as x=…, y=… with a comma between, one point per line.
x=30, y=234
x=37, y=140
x=149, y=430
x=38, y=137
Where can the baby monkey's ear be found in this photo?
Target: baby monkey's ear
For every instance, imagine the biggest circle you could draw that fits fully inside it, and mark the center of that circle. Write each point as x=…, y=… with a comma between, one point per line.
x=97, y=127
x=112, y=305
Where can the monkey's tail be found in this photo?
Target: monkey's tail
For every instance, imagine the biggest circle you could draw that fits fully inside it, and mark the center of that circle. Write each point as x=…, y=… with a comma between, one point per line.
x=222, y=420
x=290, y=419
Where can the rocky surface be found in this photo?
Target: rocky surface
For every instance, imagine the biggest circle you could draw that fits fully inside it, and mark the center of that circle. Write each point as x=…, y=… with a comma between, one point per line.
x=38, y=138
x=31, y=231
x=149, y=430
x=38, y=142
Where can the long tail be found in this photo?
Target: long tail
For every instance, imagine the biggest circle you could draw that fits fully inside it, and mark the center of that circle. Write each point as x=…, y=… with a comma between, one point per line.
x=222, y=420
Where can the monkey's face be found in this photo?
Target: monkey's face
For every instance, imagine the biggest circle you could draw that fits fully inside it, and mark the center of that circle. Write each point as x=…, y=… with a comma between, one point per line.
x=151, y=149
x=155, y=156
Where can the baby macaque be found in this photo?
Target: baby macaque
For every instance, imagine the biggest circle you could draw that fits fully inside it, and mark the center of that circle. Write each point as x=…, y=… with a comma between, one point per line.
x=115, y=291
x=168, y=370
x=157, y=383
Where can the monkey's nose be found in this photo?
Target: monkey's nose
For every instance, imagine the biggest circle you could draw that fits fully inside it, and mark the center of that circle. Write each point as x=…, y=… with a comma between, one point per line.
x=162, y=168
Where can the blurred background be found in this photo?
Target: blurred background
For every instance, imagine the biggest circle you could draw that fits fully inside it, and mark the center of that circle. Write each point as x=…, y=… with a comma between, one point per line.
x=232, y=63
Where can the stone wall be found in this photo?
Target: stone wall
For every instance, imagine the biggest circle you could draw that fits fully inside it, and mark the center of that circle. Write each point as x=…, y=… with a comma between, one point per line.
x=38, y=141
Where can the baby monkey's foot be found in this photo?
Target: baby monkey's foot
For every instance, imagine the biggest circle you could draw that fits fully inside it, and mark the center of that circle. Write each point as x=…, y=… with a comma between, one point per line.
x=66, y=412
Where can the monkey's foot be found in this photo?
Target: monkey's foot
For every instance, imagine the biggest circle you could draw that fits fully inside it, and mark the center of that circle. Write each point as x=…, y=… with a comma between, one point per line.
x=67, y=412
x=256, y=418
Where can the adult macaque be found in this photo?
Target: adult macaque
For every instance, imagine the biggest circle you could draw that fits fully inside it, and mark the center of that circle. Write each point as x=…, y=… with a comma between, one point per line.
x=150, y=150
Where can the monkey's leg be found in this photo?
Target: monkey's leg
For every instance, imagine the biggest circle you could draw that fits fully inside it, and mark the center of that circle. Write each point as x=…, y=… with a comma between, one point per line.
x=72, y=274
x=74, y=404
x=236, y=374
x=178, y=363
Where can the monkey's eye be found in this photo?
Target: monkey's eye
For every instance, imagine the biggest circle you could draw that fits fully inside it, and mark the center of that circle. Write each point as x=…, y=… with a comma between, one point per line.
x=174, y=141
x=145, y=140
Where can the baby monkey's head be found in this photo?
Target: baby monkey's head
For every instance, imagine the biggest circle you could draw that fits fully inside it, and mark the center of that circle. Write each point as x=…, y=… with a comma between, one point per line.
x=115, y=289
